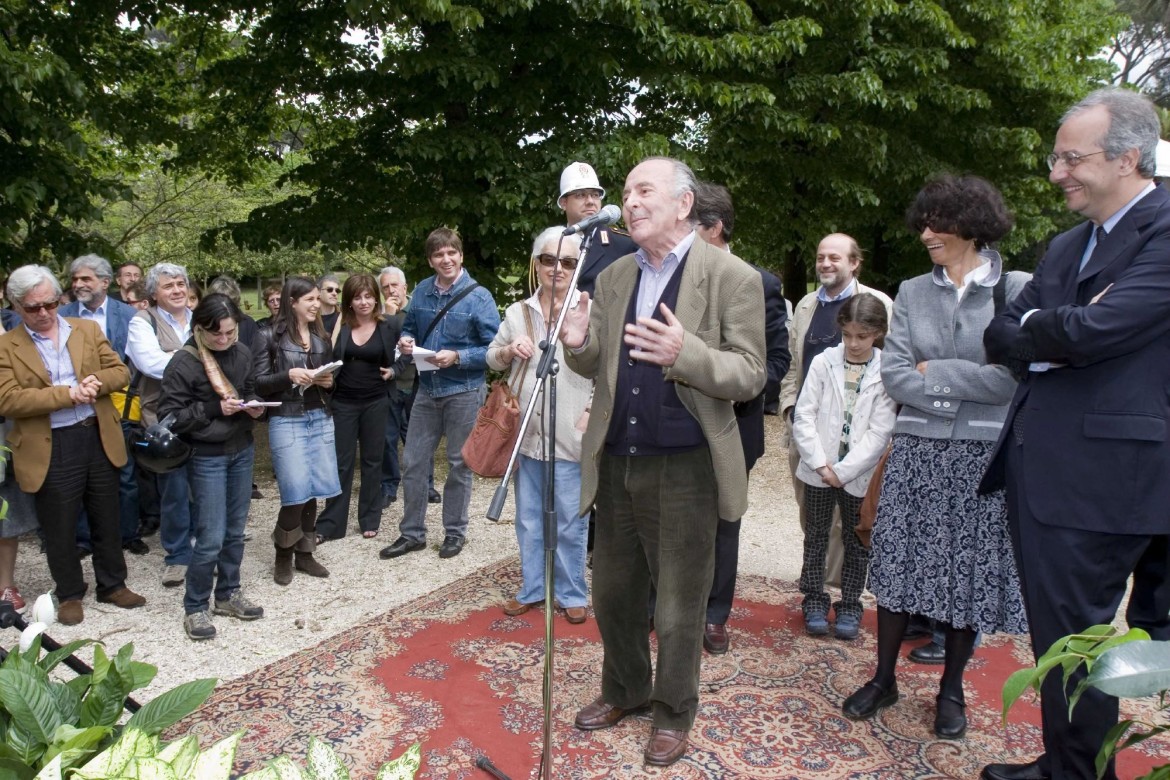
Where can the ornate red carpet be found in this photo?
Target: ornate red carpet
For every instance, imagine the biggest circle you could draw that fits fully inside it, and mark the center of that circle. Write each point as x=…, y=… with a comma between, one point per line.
x=452, y=671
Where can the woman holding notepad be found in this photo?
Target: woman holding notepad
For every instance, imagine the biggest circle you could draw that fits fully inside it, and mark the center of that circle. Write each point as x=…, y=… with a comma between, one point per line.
x=293, y=358
x=207, y=388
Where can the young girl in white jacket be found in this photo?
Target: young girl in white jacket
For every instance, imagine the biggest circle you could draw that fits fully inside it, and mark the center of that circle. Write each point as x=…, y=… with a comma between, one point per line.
x=843, y=421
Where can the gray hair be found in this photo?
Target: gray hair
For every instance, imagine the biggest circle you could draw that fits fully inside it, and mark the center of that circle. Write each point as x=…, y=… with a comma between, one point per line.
x=96, y=263
x=392, y=270
x=331, y=277
x=225, y=285
x=27, y=278
x=553, y=234
x=164, y=269
x=684, y=181
x=1133, y=124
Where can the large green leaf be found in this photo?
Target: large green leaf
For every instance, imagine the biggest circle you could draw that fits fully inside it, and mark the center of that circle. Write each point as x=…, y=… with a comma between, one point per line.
x=67, y=701
x=1133, y=670
x=181, y=754
x=286, y=769
x=323, y=763
x=215, y=763
x=10, y=767
x=23, y=745
x=75, y=745
x=30, y=703
x=168, y=708
x=404, y=767
x=55, y=657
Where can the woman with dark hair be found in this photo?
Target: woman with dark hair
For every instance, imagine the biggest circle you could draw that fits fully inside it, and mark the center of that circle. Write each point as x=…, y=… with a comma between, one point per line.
x=289, y=353
x=206, y=387
x=361, y=403
x=940, y=549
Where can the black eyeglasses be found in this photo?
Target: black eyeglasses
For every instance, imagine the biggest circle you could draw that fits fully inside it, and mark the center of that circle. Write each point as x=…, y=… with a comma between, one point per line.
x=33, y=308
x=548, y=261
x=1070, y=159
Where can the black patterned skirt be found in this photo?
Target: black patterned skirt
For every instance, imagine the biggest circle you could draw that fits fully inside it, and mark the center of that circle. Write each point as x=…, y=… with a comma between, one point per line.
x=939, y=548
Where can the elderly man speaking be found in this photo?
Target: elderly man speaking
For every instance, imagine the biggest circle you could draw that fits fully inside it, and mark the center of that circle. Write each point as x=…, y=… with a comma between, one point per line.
x=676, y=336
x=56, y=375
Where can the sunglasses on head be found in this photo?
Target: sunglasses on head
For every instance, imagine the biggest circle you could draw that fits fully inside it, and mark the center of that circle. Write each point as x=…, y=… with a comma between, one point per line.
x=548, y=261
x=33, y=308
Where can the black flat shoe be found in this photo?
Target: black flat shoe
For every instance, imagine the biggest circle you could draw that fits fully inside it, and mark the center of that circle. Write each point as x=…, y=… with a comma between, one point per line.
x=868, y=699
x=452, y=546
x=930, y=653
x=1029, y=771
x=950, y=717
x=401, y=546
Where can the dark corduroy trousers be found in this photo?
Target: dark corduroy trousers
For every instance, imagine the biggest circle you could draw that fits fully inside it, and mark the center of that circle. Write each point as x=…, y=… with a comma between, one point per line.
x=656, y=520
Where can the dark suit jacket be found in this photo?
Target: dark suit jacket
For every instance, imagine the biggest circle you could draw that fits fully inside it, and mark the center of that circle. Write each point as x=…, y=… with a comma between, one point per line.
x=1096, y=445
x=27, y=398
x=608, y=245
x=750, y=414
x=118, y=316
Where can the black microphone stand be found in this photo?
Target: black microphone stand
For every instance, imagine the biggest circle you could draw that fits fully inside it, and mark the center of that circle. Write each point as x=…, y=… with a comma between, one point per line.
x=546, y=382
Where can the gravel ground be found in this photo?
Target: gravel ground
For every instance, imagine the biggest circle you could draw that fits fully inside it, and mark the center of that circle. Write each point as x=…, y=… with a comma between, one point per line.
x=362, y=585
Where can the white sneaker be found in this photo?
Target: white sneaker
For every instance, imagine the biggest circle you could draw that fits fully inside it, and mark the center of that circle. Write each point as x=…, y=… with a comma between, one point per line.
x=174, y=575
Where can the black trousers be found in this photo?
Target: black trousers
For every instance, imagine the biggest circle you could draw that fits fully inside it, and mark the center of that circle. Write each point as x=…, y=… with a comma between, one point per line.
x=80, y=475
x=1073, y=579
x=357, y=424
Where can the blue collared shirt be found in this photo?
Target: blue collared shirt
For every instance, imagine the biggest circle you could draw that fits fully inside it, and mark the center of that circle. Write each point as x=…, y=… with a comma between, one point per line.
x=98, y=315
x=1111, y=223
x=824, y=297
x=59, y=363
x=654, y=280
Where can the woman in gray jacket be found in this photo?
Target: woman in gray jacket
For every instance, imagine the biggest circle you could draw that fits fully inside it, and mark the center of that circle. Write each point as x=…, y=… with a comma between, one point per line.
x=939, y=549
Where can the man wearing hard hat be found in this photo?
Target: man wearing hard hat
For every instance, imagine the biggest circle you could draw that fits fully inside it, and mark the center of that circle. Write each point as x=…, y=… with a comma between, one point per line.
x=580, y=199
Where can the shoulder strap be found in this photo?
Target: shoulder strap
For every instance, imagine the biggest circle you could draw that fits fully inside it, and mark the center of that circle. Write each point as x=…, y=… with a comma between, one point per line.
x=999, y=293
x=523, y=369
x=445, y=309
x=336, y=328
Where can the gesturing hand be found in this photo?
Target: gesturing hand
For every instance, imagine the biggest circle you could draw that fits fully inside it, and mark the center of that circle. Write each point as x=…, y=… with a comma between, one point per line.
x=576, y=325
x=656, y=342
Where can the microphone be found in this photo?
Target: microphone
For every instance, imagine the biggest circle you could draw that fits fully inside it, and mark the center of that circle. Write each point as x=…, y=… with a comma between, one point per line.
x=607, y=216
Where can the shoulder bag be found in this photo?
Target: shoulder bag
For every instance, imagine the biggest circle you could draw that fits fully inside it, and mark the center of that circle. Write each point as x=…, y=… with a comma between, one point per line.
x=489, y=445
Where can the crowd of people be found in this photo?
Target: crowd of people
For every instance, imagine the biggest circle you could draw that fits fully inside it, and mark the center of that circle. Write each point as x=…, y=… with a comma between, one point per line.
x=1020, y=418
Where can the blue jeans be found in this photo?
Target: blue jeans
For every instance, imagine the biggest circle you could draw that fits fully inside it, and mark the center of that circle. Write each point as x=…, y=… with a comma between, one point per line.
x=430, y=420
x=223, y=484
x=572, y=533
x=397, y=424
x=177, y=528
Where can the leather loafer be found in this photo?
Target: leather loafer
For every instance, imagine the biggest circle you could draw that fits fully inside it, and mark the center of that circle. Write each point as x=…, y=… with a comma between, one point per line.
x=512, y=607
x=452, y=546
x=868, y=699
x=665, y=746
x=599, y=715
x=70, y=612
x=715, y=639
x=401, y=546
x=575, y=615
x=124, y=598
x=929, y=653
x=1029, y=771
x=950, y=716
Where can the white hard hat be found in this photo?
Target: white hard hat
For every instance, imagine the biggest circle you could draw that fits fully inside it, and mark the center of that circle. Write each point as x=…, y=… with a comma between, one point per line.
x=1161, y=160
x=579, y=176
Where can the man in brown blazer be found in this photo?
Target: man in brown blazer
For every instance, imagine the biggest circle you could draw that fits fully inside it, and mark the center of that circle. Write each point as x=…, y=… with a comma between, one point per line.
x=56, y=375
x=675, y=337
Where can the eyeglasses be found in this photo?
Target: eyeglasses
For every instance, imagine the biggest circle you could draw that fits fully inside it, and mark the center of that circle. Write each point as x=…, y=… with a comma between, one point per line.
x=33, y=308
x=330, y=289
x=548, y=261
x=1070, y=159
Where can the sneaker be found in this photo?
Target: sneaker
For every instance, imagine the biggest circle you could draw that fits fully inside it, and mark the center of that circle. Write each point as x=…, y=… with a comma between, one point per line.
x=816, y=622
x=847, y=626
x=174, y=575
x=13, y=597
x=238, y=606
x=198, y=625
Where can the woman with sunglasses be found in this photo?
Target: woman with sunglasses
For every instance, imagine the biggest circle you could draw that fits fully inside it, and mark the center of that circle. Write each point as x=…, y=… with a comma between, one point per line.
x=525, y=325
x=289, y=353
x=206, y=387
x=361, y=404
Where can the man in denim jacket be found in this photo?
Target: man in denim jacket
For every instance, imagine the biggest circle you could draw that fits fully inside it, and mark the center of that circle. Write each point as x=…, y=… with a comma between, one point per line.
x=449, y=397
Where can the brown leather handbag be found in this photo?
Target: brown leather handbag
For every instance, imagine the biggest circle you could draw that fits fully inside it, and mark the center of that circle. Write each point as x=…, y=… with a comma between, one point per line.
x=869, y=504
x=489, y=445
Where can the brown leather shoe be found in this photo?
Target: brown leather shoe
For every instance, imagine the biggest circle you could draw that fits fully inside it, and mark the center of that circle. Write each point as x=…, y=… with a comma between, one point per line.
x=575, y=615
x=122, y=597
x=715, y=638
x=70, y=612
x=665, y=746
x=599, y=715
x=512, y=607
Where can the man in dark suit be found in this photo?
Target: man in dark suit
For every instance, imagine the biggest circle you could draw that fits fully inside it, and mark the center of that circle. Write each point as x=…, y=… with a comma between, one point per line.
x=716, y=215
x=675, y=337
x=1085, y=450
x=56, y=375
x=91, y=276
x=580, y=198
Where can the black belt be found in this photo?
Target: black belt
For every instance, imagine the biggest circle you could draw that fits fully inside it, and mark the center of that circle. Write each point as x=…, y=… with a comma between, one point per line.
x=88, y=422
